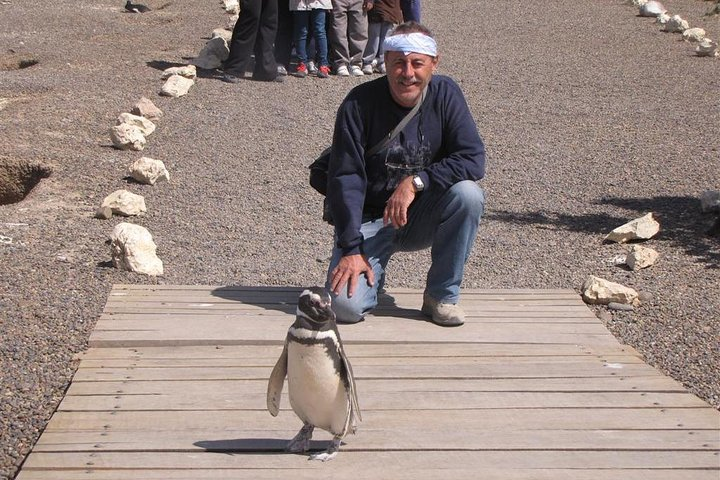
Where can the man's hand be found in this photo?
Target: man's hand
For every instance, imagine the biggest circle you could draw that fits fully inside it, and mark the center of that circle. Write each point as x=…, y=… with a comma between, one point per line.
x=368, y=5
x=397, y=206
x=347, y=271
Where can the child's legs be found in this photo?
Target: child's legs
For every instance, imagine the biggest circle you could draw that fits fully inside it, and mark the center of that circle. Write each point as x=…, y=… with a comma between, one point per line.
x=385, y=27
x=374, y=42
x=300, y=18
x=317, y=17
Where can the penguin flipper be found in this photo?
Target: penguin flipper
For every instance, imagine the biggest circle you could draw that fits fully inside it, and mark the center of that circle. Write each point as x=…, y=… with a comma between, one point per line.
x=352, y=392
x=276, y=382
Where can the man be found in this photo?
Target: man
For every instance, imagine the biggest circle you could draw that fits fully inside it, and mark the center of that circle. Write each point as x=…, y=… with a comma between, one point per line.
x=254, y=33
x=418, y=192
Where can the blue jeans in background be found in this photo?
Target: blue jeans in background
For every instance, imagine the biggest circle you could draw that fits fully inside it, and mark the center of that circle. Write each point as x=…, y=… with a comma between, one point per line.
x=447, y=221
x=410, y=10
x=301, y=19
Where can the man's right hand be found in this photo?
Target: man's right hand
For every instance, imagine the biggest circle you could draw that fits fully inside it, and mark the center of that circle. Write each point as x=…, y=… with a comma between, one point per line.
x=348, y=271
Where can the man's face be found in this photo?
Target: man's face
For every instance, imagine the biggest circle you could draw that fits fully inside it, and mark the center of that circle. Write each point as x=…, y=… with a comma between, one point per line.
x=408, y=75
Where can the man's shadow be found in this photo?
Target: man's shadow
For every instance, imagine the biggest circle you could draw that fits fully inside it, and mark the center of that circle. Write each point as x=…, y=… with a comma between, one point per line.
x=284, y=300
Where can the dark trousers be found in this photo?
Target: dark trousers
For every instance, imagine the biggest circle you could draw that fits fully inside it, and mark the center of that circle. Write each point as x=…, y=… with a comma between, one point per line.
x=254, y=32
x=284, y=37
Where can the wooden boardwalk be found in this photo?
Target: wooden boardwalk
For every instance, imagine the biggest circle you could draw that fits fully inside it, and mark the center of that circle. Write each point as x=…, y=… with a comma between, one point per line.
x=532, y=387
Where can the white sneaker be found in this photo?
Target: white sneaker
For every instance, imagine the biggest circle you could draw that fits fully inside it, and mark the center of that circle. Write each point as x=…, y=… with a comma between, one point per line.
x=380, y=69
x=312, y=68
x=342, y=71
x=356, y=71
x=367, y=69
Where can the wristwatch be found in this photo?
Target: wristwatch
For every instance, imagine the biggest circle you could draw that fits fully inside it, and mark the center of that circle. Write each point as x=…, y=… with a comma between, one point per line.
x=418, y=183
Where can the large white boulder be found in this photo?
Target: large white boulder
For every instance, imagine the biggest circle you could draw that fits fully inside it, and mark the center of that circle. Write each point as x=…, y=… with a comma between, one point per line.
x=652, y=9
x=127, y=137
x=146, y=126
x=133, y=249
x=641, y=257
x=123, y=202
x=176, y=86
x=676, y=24
x=641, y=228
x=146, y=108
x=149, y=171
x=598, y=291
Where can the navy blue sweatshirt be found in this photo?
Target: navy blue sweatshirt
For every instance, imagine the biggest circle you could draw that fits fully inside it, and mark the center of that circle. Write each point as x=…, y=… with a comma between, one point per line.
x=441, y=144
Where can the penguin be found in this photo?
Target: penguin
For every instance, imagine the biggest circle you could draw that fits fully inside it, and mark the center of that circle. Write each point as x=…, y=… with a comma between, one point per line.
x=321, y=385
x=136, y=7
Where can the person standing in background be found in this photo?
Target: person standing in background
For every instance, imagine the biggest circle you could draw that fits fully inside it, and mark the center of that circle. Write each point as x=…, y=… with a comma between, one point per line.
x=254, y=33
x=410, y=10
x=383, y=15
x=348, y=36
x=306, y=13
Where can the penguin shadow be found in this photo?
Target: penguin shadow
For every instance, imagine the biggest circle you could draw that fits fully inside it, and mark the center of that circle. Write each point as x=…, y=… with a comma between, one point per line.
x=241, y=446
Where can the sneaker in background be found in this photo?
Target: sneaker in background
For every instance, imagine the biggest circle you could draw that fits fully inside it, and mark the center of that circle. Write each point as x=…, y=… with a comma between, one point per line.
x=380, y=69
x=342, y=71
x=356, y=71
x=301, y=71
x=282, y=70
x=323, y=71
x=312, y=69
x=367, y=69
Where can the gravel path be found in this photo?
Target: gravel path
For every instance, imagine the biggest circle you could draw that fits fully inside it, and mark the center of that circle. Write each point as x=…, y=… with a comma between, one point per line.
x=591, y=115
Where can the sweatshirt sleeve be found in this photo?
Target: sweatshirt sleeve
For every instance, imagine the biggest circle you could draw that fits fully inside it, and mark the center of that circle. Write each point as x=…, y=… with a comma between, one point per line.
x=346, y=177
x=463, y=149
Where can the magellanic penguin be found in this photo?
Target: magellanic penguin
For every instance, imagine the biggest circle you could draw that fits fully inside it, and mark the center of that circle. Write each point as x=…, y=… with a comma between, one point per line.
x=320, y=379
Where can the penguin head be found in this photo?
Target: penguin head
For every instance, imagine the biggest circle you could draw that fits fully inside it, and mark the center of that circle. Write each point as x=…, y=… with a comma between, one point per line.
x=315, y=305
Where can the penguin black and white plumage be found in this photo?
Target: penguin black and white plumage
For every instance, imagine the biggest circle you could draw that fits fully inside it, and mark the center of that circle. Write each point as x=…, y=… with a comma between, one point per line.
x=321, y=386
x=136, y=7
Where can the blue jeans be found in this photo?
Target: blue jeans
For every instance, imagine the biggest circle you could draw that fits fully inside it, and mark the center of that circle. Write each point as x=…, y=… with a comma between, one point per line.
x=447, y=221
x=410, y=10
x=301, y=20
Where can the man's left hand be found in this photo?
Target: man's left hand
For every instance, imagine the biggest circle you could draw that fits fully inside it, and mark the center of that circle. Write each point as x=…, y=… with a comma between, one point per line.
x=397, y=206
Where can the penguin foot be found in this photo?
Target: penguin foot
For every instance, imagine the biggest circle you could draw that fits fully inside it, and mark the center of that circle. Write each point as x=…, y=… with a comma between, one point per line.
x=330, y=453
x=301, y=442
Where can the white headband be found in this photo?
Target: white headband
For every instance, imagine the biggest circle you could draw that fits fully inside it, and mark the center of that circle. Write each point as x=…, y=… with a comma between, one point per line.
x=408, y=43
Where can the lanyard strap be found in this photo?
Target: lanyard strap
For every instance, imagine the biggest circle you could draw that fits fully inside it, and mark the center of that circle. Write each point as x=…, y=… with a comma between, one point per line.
x=396, y=131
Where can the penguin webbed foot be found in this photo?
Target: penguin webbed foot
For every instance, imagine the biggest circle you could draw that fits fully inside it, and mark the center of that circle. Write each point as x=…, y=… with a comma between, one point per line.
x=330, y=453
x=301, y=442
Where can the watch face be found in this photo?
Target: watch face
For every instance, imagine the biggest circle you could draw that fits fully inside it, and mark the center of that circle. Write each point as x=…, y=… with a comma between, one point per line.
x=419, y=185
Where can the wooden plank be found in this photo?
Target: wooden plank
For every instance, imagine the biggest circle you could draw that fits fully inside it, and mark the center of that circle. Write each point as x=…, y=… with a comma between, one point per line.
x=391, y=462
x=538, y=370
x=587, y=418
x=480, y=350
x=370, y=472
x=449, y=436
x=400, y=400
x=185, y=331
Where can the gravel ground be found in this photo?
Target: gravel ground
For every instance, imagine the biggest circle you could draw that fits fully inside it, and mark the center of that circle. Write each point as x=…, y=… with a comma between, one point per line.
x=591, y=115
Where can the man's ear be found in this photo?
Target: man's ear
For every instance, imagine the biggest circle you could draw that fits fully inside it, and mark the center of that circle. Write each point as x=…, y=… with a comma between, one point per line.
x=436, y=60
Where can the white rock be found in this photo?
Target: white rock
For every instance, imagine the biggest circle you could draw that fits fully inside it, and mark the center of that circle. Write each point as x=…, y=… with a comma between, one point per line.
x=149, y=171
x=641, y=228
x=638, y=3
x=710, y=201
x=662, y=19
x=146, y=126
x=232, y=6
x=641, y=257
x=652, y=9
x=187, y=71
x=694, y=35
x=176, y=86
x=598, y=291
x=676, y=25
x=122, y=202
x=223, y=33
x=230, y=25
x=213, y=54
x=146, y=108
x=133, y=249
x=707, y=48
x=127, y=137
